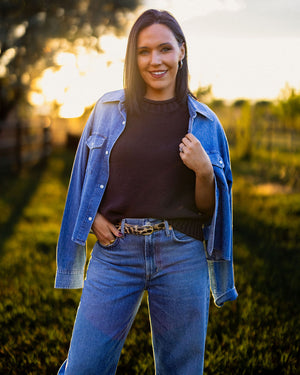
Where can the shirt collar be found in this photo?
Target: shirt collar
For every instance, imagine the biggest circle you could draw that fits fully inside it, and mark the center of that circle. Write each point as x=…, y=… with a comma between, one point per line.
x=113, y=96
x=202, y=109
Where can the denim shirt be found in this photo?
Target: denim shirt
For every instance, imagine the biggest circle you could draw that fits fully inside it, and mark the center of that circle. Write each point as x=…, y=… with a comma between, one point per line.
x=90, y=176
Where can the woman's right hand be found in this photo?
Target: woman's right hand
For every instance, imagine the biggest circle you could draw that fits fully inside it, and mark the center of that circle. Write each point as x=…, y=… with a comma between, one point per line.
x=104, y=230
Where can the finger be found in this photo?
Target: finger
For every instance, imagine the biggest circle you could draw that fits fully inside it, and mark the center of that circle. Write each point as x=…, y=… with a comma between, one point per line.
x=106, y=239
x=181, y=146
x=190, y=136
x=104, y=243
x=193, y=139
x=115, y=231
x=186, y=142
x=110, y=242
x=104, y=230
x=111, y=232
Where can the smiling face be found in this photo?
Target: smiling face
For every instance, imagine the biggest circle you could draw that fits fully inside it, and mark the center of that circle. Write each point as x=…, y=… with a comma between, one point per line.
x=158, y=54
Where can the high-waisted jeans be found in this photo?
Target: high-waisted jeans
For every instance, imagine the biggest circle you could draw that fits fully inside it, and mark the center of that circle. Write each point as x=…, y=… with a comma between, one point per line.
x=172, y=268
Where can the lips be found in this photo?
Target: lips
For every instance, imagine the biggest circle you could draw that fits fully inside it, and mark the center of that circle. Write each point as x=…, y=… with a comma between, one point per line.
x=158, y=73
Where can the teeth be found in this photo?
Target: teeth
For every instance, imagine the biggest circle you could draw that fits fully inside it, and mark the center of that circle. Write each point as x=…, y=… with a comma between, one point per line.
x=158, y=73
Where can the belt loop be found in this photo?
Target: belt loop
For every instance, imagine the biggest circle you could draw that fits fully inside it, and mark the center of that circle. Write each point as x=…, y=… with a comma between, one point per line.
x=167, y=228
x=123, y=226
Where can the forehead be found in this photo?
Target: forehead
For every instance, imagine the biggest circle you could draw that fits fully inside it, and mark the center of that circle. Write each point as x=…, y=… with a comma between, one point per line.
x=154, y=35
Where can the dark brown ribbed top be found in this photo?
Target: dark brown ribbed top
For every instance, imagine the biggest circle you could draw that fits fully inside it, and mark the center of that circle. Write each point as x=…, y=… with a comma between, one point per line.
x=147, y=177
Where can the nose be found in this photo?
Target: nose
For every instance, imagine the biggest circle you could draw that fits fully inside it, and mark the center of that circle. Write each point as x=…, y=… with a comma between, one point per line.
x=155, y=58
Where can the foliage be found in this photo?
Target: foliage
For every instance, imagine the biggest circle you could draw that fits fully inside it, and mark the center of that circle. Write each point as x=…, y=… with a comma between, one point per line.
x=204, y=93
x=243, y=131
x=257, y=334
x=289, y=107
x=26, y=26
x=256, y=127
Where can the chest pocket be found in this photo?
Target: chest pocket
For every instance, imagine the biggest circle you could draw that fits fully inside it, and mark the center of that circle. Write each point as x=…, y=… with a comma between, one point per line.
x=216, y=160
x=95, y=141
x=218, y=166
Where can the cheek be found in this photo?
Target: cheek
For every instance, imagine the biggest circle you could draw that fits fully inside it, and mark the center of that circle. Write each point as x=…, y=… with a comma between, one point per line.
x=140, y=65
x=173, y=61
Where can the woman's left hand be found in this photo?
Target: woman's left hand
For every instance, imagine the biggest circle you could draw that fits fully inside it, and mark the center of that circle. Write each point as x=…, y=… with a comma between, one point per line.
x=194, y=156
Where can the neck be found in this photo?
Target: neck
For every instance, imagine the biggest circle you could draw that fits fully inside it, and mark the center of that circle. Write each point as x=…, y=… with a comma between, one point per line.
x=160, y=95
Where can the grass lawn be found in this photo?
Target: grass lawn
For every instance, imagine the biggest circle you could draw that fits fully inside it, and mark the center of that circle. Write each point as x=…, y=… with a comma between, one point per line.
x=257, y=334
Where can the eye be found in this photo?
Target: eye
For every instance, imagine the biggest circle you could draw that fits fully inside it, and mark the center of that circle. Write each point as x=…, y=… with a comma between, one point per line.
x=142, y=52
x=166, y=49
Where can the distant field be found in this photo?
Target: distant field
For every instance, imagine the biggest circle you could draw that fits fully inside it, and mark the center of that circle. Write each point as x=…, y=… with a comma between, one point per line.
x=257, y=334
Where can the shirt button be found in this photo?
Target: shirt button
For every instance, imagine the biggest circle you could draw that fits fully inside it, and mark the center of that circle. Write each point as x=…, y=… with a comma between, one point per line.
x=90, y=218
x=101, y=186
x=124, y=122
x=106, y=152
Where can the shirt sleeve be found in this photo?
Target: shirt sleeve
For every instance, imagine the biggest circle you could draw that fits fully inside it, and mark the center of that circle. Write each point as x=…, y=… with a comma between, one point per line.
x=71, y=256
x=218, y=233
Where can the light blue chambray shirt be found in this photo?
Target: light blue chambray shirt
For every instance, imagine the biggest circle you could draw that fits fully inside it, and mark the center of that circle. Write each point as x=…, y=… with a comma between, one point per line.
x=90, y=176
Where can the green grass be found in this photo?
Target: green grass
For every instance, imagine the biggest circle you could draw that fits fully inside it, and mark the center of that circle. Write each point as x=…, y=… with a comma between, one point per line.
x=257, y=334
x=277, y=167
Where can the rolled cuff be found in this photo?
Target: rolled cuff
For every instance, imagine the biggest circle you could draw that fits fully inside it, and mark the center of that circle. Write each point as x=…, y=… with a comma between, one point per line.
x=230, y=295
x=65, y=280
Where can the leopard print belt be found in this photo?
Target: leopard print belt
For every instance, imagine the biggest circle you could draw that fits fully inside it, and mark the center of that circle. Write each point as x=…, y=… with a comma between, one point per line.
x=143, y=230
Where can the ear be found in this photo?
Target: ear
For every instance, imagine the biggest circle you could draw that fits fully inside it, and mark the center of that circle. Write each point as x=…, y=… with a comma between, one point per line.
x=182, y=51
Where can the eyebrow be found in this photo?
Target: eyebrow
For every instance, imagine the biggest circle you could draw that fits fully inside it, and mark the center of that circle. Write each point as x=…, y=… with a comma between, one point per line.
x=160, y=45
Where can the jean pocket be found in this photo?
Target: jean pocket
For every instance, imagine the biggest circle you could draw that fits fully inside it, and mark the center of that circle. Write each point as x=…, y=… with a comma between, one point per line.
x=181, y=237
x=110, y=245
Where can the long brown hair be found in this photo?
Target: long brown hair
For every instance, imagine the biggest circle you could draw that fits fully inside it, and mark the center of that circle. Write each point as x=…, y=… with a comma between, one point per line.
x=134, y=85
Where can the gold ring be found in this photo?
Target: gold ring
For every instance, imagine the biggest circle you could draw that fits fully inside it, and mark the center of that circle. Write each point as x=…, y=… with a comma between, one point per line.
x=111, y=242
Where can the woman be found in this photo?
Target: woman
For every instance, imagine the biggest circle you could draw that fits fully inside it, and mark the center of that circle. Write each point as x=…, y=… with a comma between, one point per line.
x=152, y=179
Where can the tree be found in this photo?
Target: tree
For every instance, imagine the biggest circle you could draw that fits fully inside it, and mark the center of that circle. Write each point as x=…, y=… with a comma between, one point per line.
x=289, y=107
x=27, y=25
x=244, y=146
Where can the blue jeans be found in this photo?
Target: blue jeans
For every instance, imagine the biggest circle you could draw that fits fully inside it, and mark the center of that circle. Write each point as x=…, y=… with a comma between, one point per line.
x=172, y=268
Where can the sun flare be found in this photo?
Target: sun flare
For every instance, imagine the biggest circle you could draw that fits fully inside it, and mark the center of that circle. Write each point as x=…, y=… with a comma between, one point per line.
x=78, y=80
